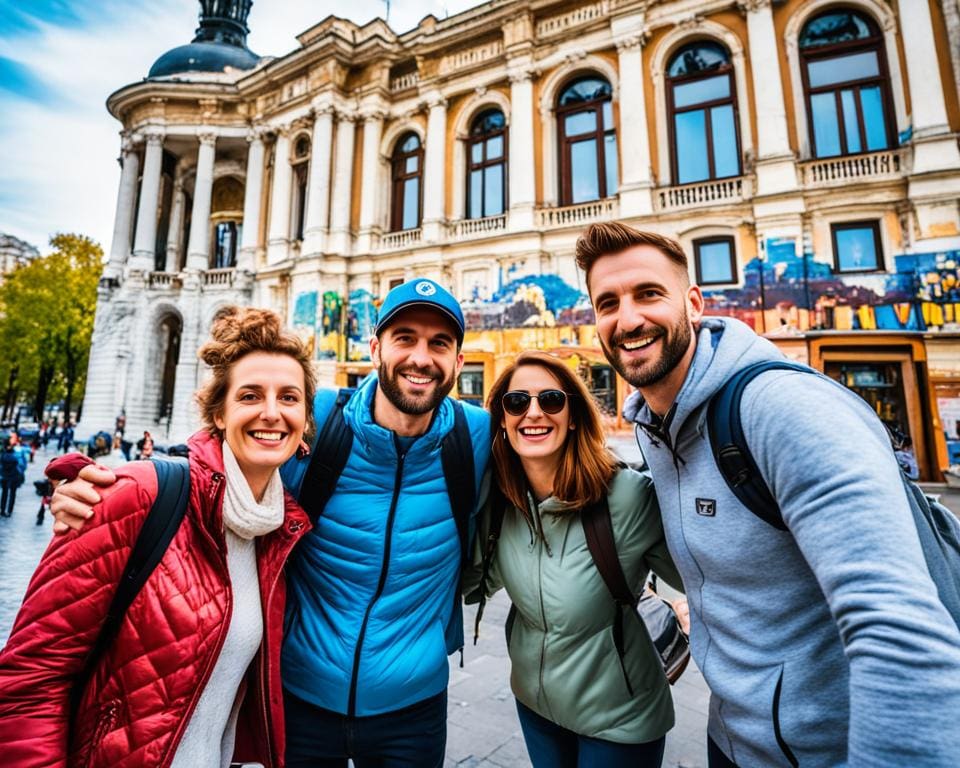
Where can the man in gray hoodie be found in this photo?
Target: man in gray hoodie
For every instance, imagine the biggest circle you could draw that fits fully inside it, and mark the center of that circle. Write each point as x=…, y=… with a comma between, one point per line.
x=824, y=644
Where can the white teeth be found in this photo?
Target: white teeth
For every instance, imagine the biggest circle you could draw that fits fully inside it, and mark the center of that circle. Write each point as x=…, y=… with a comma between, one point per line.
x=639, y=343
x=275, y=436
x=535, y=430
x=418, y=379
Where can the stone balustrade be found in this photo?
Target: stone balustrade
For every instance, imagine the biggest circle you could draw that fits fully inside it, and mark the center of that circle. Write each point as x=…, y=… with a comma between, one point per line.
x=219, y=277
x=164, y=280
x=839, y=171
x=703, y=194
x=578, y=215
x=402, y=82
x=470, y=56
x=393, y=241
x=469, y=228
x=555, y=25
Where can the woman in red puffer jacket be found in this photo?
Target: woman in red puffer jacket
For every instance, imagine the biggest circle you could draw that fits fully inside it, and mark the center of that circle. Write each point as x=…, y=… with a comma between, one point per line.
x=192, y=678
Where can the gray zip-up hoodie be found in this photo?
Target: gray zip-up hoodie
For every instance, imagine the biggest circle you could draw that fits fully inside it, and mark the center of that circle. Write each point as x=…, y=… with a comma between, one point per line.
x=822, y=645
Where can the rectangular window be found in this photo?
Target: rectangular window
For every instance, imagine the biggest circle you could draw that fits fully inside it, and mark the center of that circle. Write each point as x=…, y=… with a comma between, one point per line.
x=699, y=91
x=493, y=191
x=826, y=129
x=842, y=69
x=691, y=139
x=476, y=194
x=610, y=163
x=413, y=164
x=584, y=179
x=874, y=122
x=580, y=122
x=470, y=384
x=851, y=123
x=715, y=259
x=856, y=246
x=726, y=159
x=411, y=204
x=494, y=147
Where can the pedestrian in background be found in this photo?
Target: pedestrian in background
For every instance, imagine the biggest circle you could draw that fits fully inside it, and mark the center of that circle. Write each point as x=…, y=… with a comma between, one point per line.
x=581, y=704
x=12, y=475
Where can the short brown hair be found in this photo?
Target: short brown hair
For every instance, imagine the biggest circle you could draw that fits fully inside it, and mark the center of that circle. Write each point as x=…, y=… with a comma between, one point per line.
x=236, y=332
x=610, y=237
x=587, y=466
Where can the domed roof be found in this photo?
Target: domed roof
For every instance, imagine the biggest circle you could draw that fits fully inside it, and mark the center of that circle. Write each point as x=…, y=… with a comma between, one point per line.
x=220, y=43
x=203, y=57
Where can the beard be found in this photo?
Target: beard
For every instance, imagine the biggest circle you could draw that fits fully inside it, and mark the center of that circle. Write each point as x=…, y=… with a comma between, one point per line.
x=676, y=341
x=413, y=404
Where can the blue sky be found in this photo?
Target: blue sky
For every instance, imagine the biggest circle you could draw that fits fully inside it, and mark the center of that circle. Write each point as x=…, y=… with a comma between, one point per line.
x=60, y=59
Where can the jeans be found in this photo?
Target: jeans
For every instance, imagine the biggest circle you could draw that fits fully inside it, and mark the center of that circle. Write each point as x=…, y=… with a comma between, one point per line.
x=552, y=746
x=413, y=737
x=715, y=756
x=8, y=497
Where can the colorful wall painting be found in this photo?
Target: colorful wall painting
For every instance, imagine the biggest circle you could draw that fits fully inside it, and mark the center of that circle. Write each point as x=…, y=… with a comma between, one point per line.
x=305, y=317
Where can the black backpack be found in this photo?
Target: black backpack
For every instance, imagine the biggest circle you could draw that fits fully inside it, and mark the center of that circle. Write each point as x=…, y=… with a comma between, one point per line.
x=159, y=527
x=332, y=450
x=937, y=526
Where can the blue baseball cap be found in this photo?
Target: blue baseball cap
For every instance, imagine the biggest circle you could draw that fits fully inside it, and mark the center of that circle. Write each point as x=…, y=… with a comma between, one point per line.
x=420, y=293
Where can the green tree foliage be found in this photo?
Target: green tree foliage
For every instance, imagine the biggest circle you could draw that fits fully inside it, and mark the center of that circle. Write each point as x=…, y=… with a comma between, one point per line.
x=46, y=322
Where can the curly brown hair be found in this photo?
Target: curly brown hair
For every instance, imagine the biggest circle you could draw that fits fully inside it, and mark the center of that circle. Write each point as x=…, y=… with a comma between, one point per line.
x=236, y=332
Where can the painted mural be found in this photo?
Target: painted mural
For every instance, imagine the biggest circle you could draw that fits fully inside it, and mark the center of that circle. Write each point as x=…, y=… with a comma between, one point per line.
x=785, y=289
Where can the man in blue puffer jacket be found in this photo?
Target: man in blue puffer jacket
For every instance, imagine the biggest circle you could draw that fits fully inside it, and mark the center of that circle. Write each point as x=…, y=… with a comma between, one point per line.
x=373, y=605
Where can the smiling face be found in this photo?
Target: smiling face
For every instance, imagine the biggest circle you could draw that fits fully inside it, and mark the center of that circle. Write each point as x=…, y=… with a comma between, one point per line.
x=535, y=435
x=417, y=361
x=645, y=312
x=264, y=414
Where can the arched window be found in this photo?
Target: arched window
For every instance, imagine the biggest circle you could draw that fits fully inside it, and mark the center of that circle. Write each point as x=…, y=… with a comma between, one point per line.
x=701, y=99
x=486, y=163
x=845, y=84
x=407, y=167
x=301, y=172
x=588, y=141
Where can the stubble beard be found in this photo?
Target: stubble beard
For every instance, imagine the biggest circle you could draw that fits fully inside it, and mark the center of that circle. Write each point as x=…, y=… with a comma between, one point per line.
x=412, y=406
x=676, y=341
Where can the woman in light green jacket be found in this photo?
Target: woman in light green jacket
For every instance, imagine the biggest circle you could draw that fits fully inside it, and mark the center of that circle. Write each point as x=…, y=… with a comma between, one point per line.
x=580, y=705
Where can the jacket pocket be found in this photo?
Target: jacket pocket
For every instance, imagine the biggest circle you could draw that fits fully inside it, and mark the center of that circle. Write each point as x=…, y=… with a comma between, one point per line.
x=105, y=722
x=781, y=742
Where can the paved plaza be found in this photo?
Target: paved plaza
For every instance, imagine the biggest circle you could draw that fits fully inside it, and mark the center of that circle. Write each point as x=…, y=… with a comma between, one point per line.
x=483, y=728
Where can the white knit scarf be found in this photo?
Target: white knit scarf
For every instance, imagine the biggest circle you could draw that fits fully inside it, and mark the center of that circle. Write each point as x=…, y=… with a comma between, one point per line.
x=242, y=513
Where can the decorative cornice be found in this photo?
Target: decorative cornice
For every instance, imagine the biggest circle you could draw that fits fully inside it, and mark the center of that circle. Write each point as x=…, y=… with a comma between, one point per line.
x=689, y=23
x=207, y=137
x=153, y=135
x=632, y=42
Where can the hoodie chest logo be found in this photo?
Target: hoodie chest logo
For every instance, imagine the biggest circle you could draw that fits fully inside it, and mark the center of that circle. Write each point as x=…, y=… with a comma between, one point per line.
x=706, y=507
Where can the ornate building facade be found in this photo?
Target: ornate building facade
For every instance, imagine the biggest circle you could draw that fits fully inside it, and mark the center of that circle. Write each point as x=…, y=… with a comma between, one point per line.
x=14, y=253
x=804, y=152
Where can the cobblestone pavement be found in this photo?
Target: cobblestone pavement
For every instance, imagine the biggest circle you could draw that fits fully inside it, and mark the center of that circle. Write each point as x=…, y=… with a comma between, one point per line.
x=483, y=730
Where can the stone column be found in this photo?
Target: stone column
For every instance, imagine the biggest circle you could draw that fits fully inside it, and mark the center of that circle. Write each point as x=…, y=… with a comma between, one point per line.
x=632, y=138
x=252, y=194
x=521, y=172
x=146, y=241
x=339, y=242
x=371, y=192
x=318, y=192
x=776, y=171
x=434, y=171
x=278, y=231
x=176, y=224
x=198, y=250
x=126, y=200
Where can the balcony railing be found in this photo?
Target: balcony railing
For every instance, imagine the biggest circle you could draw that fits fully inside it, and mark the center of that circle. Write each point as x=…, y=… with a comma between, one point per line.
x=393, y=241
x=702, y=194
x=838, y=171
x=470, y=228
x=219, y=277
x=164, y=280
x=575, y=215
x=402, y=82
x=554, y=25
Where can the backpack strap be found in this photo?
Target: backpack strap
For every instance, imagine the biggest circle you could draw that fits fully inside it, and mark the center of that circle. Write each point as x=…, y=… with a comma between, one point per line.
x=327, y=460
x=730, y=450
x=456, y=456
x=598, y=530
x=497, y=505
x=161, y=524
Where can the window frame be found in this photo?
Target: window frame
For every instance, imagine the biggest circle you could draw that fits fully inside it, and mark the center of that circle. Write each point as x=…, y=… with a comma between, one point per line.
x=399, y=177
x=873, y=224
x=713, y=239
x=671, y=82
x=300, y=178
x=873, y=43
x=485, y=163
x=561, y=113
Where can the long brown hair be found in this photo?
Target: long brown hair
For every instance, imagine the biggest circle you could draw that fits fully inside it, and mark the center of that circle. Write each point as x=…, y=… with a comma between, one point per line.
x=587, y=465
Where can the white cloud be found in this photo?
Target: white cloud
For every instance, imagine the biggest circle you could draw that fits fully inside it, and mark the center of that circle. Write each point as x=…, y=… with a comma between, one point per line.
x=59, y=170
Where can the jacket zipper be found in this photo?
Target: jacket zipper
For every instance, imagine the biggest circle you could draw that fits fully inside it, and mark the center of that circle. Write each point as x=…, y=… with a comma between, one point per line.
x=224, y=628
x=535, y=513
x=107, y=718
x=352, y=702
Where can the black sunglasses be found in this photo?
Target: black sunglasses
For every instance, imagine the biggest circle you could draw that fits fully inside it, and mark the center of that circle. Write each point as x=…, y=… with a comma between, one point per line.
x=550, y=400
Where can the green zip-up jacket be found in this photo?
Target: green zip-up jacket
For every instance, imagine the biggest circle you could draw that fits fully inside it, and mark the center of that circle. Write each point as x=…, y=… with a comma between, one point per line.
x=564, y=665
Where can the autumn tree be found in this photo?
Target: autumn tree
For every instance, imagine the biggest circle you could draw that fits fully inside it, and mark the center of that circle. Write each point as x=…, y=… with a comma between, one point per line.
x=46, y=322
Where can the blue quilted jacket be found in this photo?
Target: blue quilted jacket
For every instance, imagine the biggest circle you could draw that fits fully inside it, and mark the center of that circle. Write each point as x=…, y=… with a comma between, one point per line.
x=373, y=607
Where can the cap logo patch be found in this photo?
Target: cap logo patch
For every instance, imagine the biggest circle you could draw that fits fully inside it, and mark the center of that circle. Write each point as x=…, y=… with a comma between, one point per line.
x=426, y=289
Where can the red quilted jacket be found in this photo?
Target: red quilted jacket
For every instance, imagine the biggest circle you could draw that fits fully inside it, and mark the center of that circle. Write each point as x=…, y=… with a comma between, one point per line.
x=137, y=704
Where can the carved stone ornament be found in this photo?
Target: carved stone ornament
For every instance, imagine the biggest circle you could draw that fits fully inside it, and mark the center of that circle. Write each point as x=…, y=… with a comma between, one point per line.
x=207, y=137
x=689, y=23
x=633, y=42
x=752, y=6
